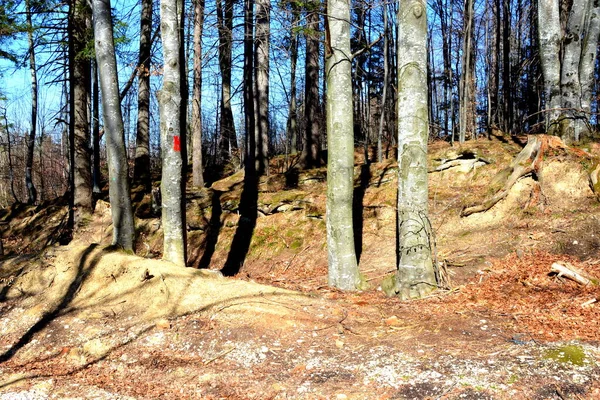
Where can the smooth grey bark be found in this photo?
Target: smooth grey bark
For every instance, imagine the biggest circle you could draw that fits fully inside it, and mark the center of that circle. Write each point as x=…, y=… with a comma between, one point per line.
x=141, y=169
x=311, y=151
x=96, y=175
x=120, y=200
x=79, y=129
x=261, y=85
x=549, y=36
x=171, y=137
x=466, y=112
x=415, y=276
x=570, y=86
x=588, y=57
x=342, y=268
x=31, y=191
x=197, y=169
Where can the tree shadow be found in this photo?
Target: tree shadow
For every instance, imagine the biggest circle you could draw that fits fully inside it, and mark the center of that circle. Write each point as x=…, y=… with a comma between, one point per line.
x=214, y=229
x=83, y=271
x=240, y=244
x=358, y=208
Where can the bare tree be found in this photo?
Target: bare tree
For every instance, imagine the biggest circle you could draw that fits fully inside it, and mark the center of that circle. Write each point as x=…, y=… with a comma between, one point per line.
x=261, y=85
x=120, y=200
x=171, y=136
x=415, y=276
x=343, y=268
x=141, y=170
x=31, y=191
x=197, y=169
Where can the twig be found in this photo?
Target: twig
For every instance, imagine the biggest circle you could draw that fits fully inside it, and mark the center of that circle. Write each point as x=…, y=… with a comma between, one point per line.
x=221, y=354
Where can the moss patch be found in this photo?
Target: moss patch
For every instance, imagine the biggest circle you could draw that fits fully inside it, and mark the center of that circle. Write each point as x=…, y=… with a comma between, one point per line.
x=567, y=354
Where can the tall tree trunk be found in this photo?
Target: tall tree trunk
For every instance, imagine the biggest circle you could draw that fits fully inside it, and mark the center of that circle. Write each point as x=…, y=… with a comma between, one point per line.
x=227, y=137
x=261, y=85
x=466, y=76
x=588, y=61
x=292, y=121
x=415, y=276
x=549, y=36
x=343, y=269
x=249, y=111
x=507, y=84
x=570, y=86
x=197, y=168
x=171, y=138
x=79, y=129
x=311, y=152
x=385, y=84
x=141, y=170
x=31, y=191
x=120, y=200
x=96, y=175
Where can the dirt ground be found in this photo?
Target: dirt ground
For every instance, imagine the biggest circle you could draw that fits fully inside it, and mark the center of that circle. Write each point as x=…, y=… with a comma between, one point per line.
x=82, y=321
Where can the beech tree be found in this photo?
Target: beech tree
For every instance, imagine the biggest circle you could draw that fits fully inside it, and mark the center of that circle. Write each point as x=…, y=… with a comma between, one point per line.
x=197, y=169
x=172, y=137
x=31, y=191
x=79, y=128
x=343, y=269
x=118, y=177
x=568, y=75
x=141, y=170
x=415, y=276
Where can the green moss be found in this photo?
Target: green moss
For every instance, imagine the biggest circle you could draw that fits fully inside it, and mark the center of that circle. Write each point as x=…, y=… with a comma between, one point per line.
x=388, y=285
x=513, y=379
x=573, y=354
x=296, y=244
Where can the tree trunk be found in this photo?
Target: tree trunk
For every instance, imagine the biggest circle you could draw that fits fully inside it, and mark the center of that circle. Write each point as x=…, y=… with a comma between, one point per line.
x=169, y=99
x=415, y=276
x=311, y=152
x=466, y=96
x=249, y=112
x=343, y=268
x=549, y=36
x=588, y=61
x=31, y=191
x=141, y=171
x=96, y=175
x=292, y=121
x=227, y=136
x=385, y=84
x=120, y=200
x=197, y=168
x=570, y=87
x=261, y=85
x=507, y=84
x=79, y=129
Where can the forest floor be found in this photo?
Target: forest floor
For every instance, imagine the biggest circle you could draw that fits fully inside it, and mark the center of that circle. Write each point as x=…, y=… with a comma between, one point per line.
x=83, y=321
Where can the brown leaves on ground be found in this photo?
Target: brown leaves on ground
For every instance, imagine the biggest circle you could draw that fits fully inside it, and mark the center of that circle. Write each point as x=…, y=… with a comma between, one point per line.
x=546, y=306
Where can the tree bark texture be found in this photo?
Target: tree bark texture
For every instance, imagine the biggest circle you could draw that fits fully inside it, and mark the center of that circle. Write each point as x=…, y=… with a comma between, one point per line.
x=261, y=82
x=343, y=269
x=549, y=36
x=227, y=136
x=249, y=112
x=466, y=106
x=197, y=168
x=79, y=129
x=292, y=121
x=31, y=191
x=171, y=138
x=311, y=151
x=415, y=276
x=120, y=200
x=141, y=171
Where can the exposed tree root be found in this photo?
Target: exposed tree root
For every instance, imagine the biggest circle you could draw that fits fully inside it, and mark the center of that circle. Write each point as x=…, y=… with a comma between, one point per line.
x=528, y=162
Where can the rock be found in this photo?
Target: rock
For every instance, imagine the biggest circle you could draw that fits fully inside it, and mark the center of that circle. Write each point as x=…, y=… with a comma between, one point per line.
x=163, y=324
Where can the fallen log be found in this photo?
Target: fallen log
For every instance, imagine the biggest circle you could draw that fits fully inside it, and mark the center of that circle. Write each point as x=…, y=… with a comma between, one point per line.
x=569, y=273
